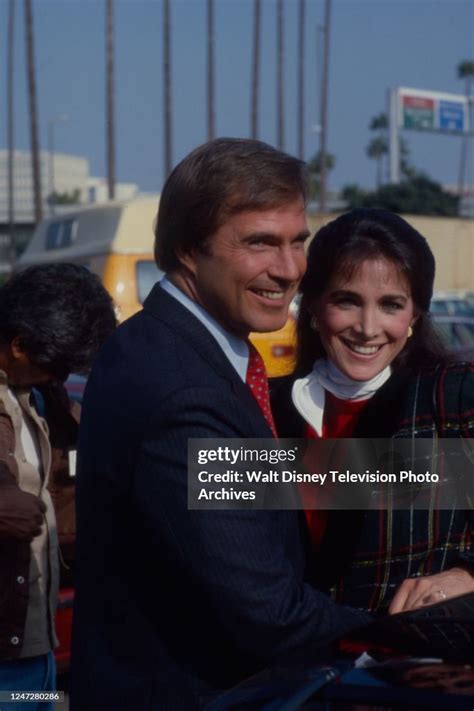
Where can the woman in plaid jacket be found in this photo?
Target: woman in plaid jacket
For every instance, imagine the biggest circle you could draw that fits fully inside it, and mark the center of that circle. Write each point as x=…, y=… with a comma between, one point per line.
x=370, y=365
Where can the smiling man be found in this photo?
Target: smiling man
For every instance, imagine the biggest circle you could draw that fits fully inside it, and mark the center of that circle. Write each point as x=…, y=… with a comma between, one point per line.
x=172, y=604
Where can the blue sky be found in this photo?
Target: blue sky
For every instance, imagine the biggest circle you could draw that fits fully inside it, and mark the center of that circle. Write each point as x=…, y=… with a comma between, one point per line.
x=375, y=44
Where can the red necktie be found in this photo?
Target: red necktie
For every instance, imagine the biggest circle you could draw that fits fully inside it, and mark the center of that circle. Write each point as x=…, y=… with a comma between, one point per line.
x=258, y=384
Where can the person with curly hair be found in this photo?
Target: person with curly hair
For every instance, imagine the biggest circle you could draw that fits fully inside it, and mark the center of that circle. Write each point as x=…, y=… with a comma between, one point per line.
x=53, y=320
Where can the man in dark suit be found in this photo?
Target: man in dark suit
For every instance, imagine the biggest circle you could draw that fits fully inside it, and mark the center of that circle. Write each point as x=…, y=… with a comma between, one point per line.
x=175, y=604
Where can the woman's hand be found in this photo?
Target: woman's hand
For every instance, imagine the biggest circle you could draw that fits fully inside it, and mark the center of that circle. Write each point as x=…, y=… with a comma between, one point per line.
x=418, y=592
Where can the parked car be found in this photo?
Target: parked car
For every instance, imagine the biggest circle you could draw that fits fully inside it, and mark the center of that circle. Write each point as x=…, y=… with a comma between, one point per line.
x=457, y=333
x=452, y=303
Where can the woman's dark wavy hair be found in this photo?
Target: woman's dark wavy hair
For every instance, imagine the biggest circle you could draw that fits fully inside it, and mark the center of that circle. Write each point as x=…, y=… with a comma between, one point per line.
x=341, y=246
x=61, y=313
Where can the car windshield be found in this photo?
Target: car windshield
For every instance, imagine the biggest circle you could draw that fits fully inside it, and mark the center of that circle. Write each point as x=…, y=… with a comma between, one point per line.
x=455, y=307
x=456, y=334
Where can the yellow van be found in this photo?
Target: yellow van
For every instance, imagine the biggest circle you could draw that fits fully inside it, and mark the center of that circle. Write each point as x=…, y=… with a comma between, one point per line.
x=115, y=241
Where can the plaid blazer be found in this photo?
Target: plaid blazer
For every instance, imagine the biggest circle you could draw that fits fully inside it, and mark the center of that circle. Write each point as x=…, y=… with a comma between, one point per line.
x=365, y=555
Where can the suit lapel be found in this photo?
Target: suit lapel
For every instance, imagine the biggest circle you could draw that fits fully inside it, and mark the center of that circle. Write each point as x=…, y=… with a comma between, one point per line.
x=167, y=309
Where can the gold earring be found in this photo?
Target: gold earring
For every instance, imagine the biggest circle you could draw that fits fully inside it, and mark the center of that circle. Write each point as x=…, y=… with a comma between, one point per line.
x=314, y=323
x=410, y=332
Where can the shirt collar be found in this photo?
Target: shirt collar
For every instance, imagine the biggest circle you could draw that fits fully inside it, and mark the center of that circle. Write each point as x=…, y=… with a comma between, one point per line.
x=235, y=349
x=309, y=393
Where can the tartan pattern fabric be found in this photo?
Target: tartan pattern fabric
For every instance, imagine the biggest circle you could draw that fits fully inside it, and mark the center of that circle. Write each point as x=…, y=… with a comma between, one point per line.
x=258, y=383
x=394, y=545
x=365, y=555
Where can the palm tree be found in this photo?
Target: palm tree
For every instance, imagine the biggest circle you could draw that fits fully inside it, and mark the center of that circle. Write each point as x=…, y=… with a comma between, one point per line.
x=379, y=123
x=315, y=170
x=378, y=146
x=377, y=149
x=10, y=132
x=324, y=108
x=301, y=107
x=210, y=70
x=167, y=86
x=31, y=79
x=280, y=90
x=109, y=90
x=255, y=69
x=466, y=72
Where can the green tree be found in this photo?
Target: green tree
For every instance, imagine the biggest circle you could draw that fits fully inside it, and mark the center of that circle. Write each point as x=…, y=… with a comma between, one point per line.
x=354, y=195
x=416, y=195
x=315, y=166
x=73, y=198
x=377, y=149
x=378, y=145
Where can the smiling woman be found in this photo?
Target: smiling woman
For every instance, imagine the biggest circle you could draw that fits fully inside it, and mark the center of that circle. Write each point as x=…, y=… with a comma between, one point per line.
x=365, y=318
x=370, y=364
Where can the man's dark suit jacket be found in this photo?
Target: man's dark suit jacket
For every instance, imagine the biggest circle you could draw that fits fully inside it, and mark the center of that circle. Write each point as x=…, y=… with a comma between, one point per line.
x=171, y=604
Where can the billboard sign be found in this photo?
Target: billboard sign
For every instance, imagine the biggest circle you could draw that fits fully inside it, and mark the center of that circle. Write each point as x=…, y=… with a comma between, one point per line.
x=432, y=111
x=451, y=116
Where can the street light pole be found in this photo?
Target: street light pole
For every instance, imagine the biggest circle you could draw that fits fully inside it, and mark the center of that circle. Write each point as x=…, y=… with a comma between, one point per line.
x=393, y=136
x=51, y=165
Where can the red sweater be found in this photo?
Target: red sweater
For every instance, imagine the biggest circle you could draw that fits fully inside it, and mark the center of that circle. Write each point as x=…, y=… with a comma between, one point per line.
x=339, y=420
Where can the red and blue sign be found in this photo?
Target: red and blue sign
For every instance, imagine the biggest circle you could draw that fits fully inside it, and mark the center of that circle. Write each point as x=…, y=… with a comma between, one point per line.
x=433, y=111
x=451, y=116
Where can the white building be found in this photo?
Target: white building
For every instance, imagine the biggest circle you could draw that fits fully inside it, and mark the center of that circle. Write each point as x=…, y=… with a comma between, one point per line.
x=60, y=173
x=69, y=173
x=98, y=191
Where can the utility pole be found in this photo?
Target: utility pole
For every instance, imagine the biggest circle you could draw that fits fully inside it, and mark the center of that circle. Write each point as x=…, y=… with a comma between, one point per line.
x=280, y=90
x=31, y=79
x=301, y=76
x=10, y=133
x=167, y=87
x=110, y=118
x=255, y=69
x=324, y=107
x=210, y=70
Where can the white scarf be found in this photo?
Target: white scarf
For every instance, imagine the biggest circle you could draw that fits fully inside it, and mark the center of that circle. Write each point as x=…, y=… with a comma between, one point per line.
x=308, y=393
